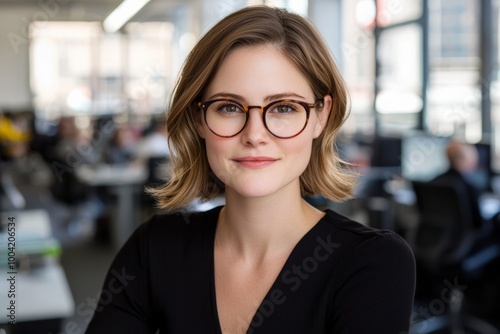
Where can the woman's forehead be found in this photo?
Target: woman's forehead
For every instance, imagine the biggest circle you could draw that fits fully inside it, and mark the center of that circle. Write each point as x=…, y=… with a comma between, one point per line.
x=257, y=72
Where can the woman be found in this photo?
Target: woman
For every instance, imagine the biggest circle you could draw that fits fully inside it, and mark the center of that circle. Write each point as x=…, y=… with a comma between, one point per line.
x=254, y=115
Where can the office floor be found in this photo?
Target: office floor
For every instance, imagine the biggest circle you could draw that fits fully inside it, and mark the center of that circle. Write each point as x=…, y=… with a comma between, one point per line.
x=85, y=265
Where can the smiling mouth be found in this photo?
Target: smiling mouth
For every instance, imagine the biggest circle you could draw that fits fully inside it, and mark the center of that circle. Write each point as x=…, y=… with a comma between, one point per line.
x=255, y=162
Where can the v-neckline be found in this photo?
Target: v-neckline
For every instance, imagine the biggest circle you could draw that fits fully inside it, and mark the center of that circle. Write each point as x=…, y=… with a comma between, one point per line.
x=275, y=282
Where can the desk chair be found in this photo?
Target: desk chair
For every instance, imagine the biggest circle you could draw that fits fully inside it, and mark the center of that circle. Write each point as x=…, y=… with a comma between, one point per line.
x=375, y=199
x=446, y=245
x=79, y=199
x=66, y=187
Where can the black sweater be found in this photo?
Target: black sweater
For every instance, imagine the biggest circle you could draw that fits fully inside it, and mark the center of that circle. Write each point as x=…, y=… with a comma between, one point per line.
x=341, y=277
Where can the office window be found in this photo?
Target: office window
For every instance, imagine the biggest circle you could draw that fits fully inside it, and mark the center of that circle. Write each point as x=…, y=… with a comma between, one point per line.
x=77, y=69
x=150, y=66
x=390, y=12
x=358, y=54
x=398, y=103
x=61, y=67
x=495, y=87
x=454, y=95
x=399, y=100
x=109, y=76
x=454, y=31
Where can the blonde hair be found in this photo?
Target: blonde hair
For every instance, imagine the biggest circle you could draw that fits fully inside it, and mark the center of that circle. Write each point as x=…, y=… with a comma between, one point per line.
x=298, y=40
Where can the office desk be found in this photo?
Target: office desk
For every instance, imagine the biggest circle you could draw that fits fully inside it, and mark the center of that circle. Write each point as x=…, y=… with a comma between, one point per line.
x=125, y=182
x=42, y=294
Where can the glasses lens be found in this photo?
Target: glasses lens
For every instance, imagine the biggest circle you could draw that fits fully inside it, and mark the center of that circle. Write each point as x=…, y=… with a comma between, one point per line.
x=225, y=118
x=286, y=118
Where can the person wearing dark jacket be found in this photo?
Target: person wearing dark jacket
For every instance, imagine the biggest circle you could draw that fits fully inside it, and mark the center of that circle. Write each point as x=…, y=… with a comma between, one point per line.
x=463, y=159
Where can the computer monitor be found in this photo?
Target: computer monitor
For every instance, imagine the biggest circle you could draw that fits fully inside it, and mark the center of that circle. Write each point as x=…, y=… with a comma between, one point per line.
x=423, y=156
x=386, y=151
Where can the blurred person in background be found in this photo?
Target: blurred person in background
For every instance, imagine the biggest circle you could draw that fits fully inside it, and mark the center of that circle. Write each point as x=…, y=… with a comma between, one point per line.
x=121, y=148
x=74, y=146
x=14, y=136
x=463, y=159
x=74, y=149
x=154, y=143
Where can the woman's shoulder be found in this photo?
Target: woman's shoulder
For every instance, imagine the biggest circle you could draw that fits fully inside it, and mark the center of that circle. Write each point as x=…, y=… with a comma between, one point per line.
x=364, y=240
x=373, y=274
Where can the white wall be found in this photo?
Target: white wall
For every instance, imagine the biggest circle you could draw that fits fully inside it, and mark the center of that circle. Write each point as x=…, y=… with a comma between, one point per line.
x=14, y=58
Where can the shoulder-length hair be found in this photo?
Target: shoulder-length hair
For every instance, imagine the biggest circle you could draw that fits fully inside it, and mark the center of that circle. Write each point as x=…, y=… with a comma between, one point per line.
x=296, y=37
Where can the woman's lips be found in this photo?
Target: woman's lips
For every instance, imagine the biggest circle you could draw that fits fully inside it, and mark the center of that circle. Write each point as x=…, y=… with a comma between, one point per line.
x=255, y=162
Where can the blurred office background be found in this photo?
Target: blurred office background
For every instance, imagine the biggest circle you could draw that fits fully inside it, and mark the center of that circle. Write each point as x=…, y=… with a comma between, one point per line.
x=83, y=94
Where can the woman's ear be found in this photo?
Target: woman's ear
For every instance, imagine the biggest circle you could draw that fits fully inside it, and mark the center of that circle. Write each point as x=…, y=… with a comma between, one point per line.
x=323, y=115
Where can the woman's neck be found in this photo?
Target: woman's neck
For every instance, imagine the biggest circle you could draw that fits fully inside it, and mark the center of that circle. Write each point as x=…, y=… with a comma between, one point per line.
x=257, y=228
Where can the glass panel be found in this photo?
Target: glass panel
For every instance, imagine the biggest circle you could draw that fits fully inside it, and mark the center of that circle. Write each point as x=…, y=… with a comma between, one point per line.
x=495, y=88
x=358, y=51
x=150, y=66
x=454, y=103
x=109, y=84
x=454, y=96
x=454, y=33
x=400, y=98
x=392, y=12
x=61, y=63
x=75, y=69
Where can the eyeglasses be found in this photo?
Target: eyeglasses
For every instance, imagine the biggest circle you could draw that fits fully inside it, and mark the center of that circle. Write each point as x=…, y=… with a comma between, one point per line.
x=283, y=118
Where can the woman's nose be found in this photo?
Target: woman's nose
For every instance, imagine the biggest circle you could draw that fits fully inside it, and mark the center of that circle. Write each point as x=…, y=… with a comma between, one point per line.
x=255, y=131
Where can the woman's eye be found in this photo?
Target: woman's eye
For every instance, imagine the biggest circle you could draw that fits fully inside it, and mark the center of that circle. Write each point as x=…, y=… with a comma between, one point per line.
x=284, y=109
x=229, y=108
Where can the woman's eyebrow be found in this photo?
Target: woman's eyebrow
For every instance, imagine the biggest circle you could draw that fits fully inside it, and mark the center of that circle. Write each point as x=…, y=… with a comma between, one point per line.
x=227, y=95
x=280, y=96
x=268, y=98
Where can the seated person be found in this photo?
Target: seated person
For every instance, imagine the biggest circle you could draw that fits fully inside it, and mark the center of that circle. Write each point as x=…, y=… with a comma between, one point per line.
x=120, y=150
x=14, y=136
x=153, y=144
x=463, y=159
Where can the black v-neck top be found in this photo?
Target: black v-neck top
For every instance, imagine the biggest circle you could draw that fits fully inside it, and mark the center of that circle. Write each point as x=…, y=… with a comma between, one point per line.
x=341, y=277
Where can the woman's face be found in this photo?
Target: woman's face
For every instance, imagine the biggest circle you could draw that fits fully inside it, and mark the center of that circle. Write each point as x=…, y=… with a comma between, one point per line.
x=254, y=163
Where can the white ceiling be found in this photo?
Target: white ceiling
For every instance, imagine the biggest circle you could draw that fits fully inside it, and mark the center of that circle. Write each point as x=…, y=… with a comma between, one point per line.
x=98, y=9
x=62, y=2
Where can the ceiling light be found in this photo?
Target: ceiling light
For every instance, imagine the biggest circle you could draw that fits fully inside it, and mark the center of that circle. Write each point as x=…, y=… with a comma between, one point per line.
x=124, y=12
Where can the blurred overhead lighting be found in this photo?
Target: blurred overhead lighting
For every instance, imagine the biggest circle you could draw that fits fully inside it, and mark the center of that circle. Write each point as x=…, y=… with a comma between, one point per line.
x=124, y=12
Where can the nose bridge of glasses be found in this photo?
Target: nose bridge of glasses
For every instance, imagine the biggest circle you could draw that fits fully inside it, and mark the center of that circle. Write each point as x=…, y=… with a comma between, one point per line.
x=260, y=114
x=261, y=108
